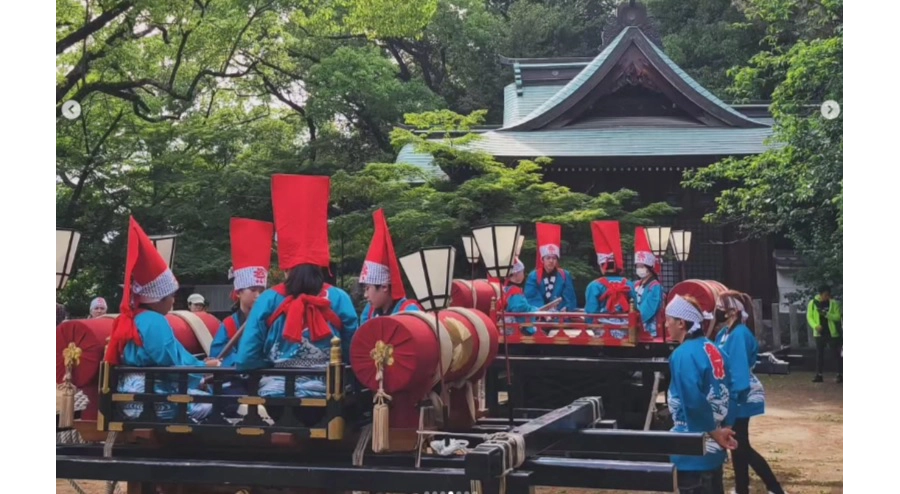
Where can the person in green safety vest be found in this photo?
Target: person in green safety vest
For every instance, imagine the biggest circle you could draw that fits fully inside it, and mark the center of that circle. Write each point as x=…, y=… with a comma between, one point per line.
x=823, y=314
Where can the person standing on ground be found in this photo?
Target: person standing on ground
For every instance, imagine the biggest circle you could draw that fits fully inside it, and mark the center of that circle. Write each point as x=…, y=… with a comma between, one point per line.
x=739, y=343
x=823, y=312
x=699, y=397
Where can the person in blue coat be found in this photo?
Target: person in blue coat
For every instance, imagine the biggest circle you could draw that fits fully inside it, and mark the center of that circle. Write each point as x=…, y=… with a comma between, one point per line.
x=141, y=335
x=549, y=281
x=648, y=291
x=739, y=343
x=514, y=300
x=611, y=293
x=699, y=397
x=384, y=291
x=251, y=257
x=291, y=325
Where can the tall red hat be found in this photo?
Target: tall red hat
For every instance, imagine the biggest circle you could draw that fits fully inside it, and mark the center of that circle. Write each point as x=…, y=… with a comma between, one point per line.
x=607, y=242
x=549, y=243
x=300, y=204
x=148, y=279
x=381, y=266
x=251, y=252
x=642, y=252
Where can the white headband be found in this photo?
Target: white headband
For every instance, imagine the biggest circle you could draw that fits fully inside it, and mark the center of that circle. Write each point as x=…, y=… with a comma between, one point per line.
x=679, y=308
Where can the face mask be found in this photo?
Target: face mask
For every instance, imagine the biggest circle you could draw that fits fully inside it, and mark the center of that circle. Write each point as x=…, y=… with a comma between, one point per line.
x=720, y=316
x=641, y=272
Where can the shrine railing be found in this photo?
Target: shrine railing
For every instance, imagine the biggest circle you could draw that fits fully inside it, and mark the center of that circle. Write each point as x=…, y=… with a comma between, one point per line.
x=578, y=328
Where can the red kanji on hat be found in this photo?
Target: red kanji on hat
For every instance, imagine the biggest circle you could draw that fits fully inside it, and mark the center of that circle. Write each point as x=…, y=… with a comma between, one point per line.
x=300, y=205
x=381, y=266
x=251, y=252
x=642, y=252
x=148, y=279
x=607, y=242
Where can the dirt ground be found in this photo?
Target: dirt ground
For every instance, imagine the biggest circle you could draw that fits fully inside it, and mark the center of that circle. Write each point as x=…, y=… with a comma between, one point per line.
x=801, y=435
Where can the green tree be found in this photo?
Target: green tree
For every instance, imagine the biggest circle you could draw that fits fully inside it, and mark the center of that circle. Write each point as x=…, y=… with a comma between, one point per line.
x=439, y=212
x=795, y=188
x=707, y=38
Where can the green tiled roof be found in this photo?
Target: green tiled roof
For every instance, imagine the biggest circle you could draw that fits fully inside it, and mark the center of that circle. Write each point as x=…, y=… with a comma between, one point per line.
x=516, y=108
x=694, y=84
x=613, y=142
x=606, y=57
x=563, y=93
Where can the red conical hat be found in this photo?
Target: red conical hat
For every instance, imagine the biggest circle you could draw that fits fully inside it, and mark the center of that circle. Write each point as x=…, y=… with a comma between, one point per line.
x=148, y=279
x=381, y=266
x=607, y=242
x=549, y=243
x=642, y=252
x=300, y=206
x=251, y=252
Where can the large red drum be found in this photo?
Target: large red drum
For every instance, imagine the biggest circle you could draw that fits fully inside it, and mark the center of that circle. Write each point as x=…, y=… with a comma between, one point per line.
x=457, y=346
x=705, y=291
x=194, y=330
x=475, y=294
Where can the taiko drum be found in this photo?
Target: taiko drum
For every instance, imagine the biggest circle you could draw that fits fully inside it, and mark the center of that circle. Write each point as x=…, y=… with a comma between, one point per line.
x=455, y=346
x=90, y=336
x=475, y=294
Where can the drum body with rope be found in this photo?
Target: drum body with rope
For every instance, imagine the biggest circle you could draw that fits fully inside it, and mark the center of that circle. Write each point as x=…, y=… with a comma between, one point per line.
x=705, y=291
x=420, y=350
x=88, y=338
x=474, y=294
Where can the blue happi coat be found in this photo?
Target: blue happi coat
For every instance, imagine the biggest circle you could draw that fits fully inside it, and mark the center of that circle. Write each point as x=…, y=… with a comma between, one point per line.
x=649, y=299
x=560, y=284
x=742, y=348
x=402, y=305
x=227, y=329
x=514, y=300
x=594, y=303
x=265, y=347
x=159, y=349
x=700, y=398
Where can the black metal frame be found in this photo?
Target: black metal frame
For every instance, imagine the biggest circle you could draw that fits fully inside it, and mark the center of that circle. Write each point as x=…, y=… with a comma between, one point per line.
x=301, y=418
x=564, y=431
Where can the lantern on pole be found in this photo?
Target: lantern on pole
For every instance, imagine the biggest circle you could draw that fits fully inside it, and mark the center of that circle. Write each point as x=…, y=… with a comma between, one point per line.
x=681, y=246
x=659, y=239
x=430, y=274
x=497, y=244
x=165, y=245
x=472, y=253
x=519, y=244
x=66, y=247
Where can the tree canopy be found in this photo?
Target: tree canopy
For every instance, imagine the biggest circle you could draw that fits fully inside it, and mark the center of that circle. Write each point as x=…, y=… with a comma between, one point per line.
x=189, y=106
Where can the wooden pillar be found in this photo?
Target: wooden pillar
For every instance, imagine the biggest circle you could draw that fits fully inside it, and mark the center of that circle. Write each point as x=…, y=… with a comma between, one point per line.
x=795, y=330
x=776, y=326
x=758, y=322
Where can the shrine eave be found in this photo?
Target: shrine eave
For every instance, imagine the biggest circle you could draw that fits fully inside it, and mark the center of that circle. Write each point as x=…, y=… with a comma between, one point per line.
x=579, y=89
x=608, y=143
